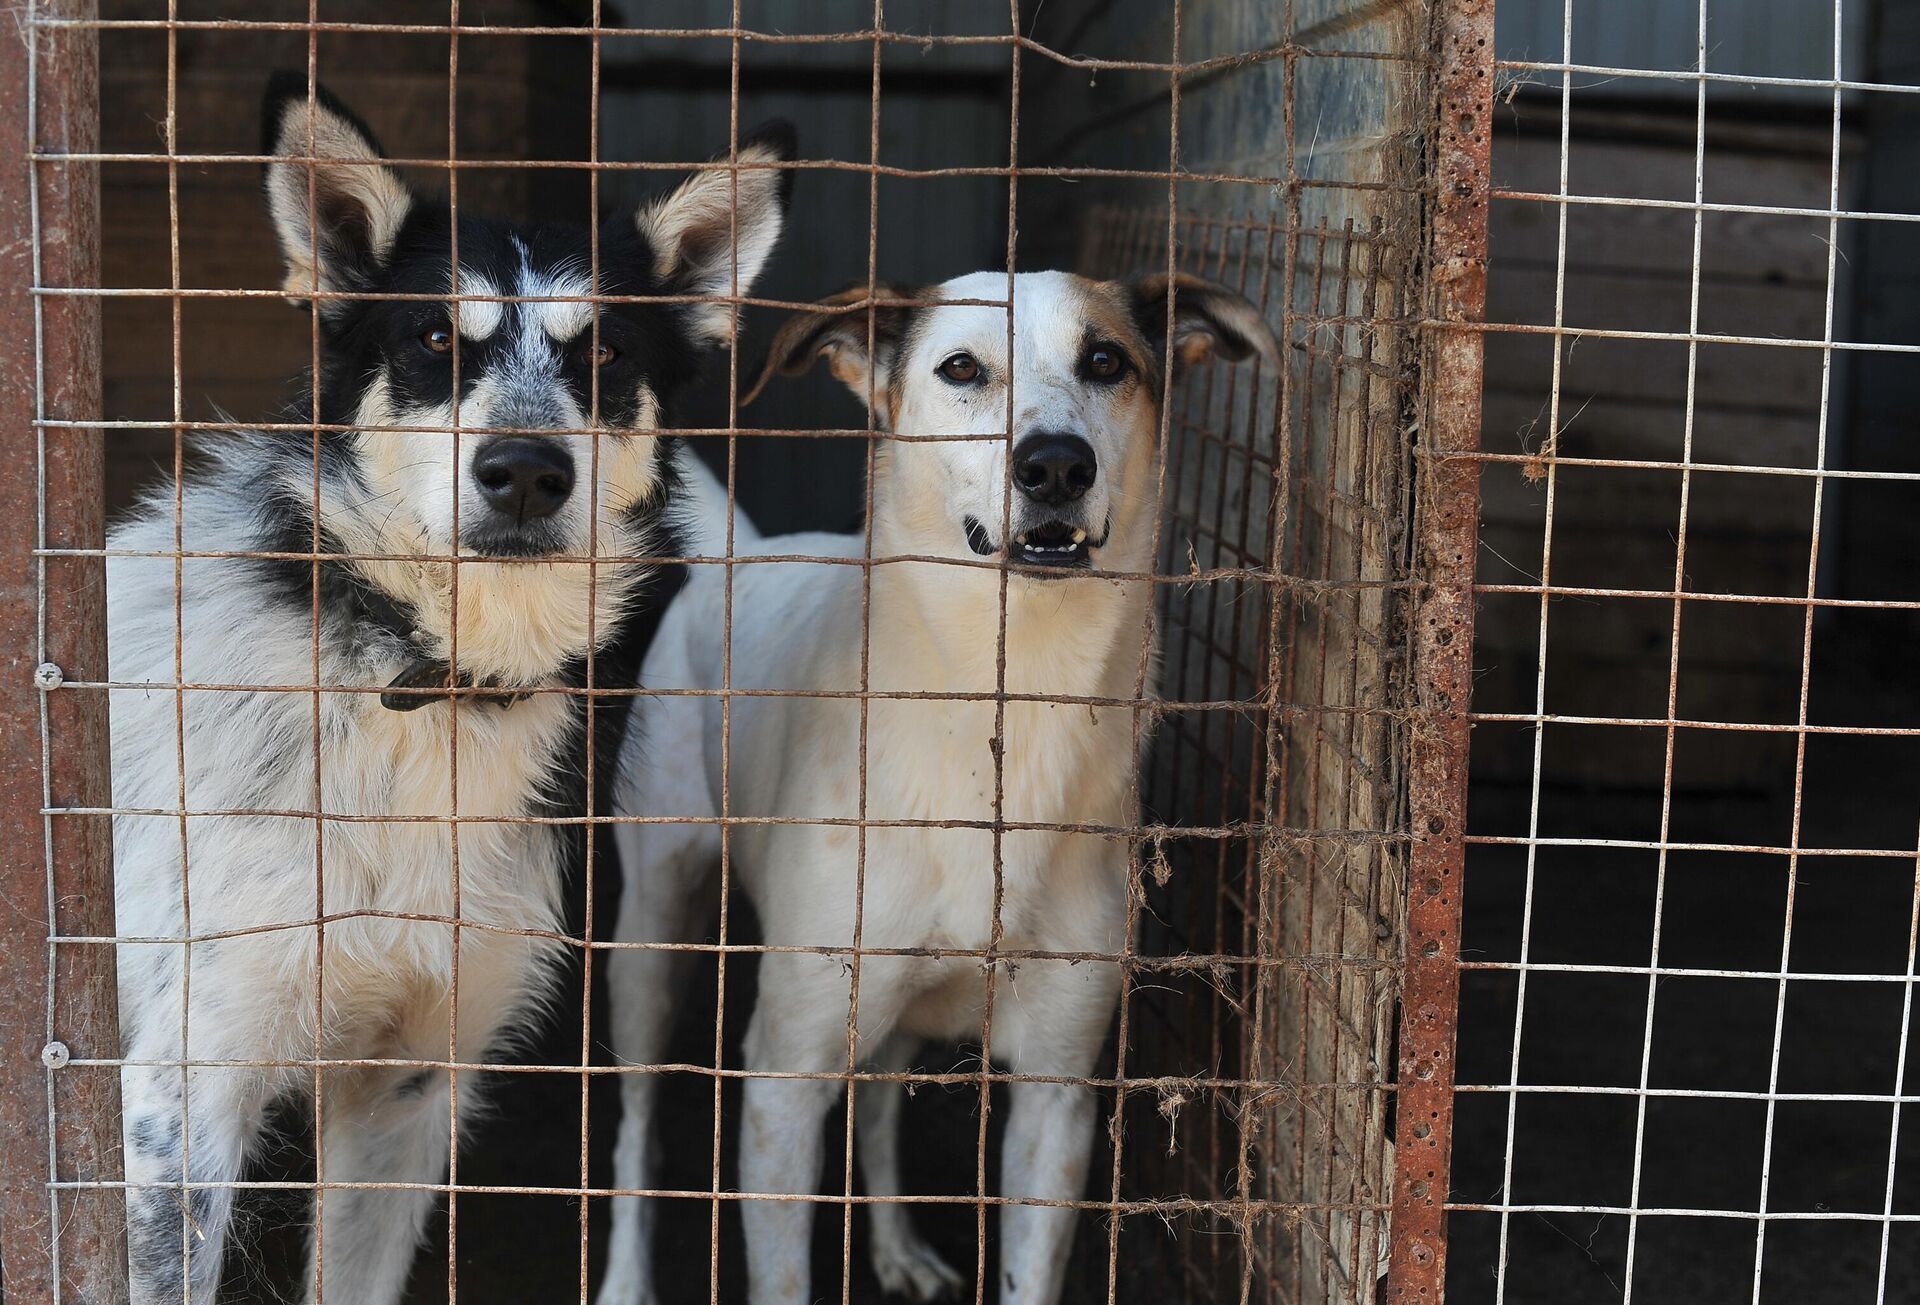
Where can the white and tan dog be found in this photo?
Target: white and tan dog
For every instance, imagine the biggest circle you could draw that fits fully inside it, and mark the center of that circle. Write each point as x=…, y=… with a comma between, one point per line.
x=1087, y=383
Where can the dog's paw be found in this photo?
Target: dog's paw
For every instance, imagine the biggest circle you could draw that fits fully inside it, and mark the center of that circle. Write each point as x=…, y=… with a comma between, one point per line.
x=623, y=1285
x=908, y=1266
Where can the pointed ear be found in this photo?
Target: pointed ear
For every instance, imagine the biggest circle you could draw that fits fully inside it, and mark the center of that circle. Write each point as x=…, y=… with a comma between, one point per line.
x=337, y=216
x=693, y=233
x=1208, y=319
x=841, y=337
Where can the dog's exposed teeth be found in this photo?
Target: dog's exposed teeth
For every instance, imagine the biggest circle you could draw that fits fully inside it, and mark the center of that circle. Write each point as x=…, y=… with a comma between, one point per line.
x=1054, y=544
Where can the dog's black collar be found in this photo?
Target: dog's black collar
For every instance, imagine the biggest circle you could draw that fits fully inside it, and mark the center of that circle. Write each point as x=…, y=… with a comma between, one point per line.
x=422, y=679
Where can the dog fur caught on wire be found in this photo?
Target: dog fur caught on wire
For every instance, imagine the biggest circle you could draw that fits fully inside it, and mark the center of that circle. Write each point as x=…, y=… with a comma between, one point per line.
x=306, y=852
x=1053, y=547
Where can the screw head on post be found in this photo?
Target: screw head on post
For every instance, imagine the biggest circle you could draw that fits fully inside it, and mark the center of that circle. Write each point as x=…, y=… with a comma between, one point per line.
x=48, y=676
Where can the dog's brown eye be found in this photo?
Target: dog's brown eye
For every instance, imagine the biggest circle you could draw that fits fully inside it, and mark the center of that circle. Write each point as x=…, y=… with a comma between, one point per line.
x=1104, y=362
x=602, y=354
x=438, y=340
x=961, y=369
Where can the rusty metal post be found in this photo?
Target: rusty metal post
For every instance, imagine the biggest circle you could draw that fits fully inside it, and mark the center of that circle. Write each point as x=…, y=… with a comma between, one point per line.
x=56, y=1121
x=1447, y=538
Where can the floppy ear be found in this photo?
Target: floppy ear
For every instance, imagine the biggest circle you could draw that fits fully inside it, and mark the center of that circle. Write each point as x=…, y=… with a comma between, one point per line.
x=1208, y=319
x=356, y=205
x=693, y=236
x=841, y=338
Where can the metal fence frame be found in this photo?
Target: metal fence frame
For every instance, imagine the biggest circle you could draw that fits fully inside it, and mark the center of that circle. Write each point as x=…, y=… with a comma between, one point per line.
x=55, y=875
x=1447, y=513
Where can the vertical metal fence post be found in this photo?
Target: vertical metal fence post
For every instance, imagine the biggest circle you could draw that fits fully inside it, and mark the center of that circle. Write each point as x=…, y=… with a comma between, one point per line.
x=1446, y=539
x=56, y=1123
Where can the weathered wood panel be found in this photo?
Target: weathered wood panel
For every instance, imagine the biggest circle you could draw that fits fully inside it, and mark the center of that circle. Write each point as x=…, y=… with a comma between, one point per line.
x=1631, y=269
x=1767, y=38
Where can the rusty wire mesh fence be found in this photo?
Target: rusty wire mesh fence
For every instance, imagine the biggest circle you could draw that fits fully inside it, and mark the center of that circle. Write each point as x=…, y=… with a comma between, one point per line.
x=1274, y=1097
x=1323, y=895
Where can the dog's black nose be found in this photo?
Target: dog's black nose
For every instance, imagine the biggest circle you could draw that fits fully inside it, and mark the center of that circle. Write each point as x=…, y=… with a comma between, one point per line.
x=524, y=478
x=1054, y=468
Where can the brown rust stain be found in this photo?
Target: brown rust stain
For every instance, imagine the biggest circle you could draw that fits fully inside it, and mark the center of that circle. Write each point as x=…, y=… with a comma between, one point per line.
x=1447, y=524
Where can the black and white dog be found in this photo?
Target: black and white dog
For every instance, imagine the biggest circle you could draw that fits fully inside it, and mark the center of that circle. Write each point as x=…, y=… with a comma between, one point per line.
x=306, y=852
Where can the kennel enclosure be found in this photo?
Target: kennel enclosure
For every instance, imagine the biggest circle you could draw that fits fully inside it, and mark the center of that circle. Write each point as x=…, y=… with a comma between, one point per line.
x=1279, y=1093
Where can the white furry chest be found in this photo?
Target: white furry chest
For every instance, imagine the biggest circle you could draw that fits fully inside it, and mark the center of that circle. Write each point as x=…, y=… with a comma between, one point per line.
x=406, y=763
x=437, y=859
x=934, y=781
x=377, y=864
x=1026, y=762
x=406, y=842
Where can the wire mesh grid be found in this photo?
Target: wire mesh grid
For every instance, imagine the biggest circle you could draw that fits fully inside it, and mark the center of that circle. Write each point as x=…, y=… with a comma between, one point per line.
x=1250, y=1088
x=1641, y=213
x=1313, y=1032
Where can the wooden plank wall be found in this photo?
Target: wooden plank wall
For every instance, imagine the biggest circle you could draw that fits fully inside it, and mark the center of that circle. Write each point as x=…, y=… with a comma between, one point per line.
x=1630, y=269
x=1761, y=38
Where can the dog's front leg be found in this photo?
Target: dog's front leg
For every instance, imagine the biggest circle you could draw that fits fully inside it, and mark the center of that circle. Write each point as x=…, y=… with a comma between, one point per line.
x=903, y=1260
x=1044, y=1158
x=666, y=895
x=177, y=1234
x=379, y=1126
x=799, y=1025
x=1062, y=1017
